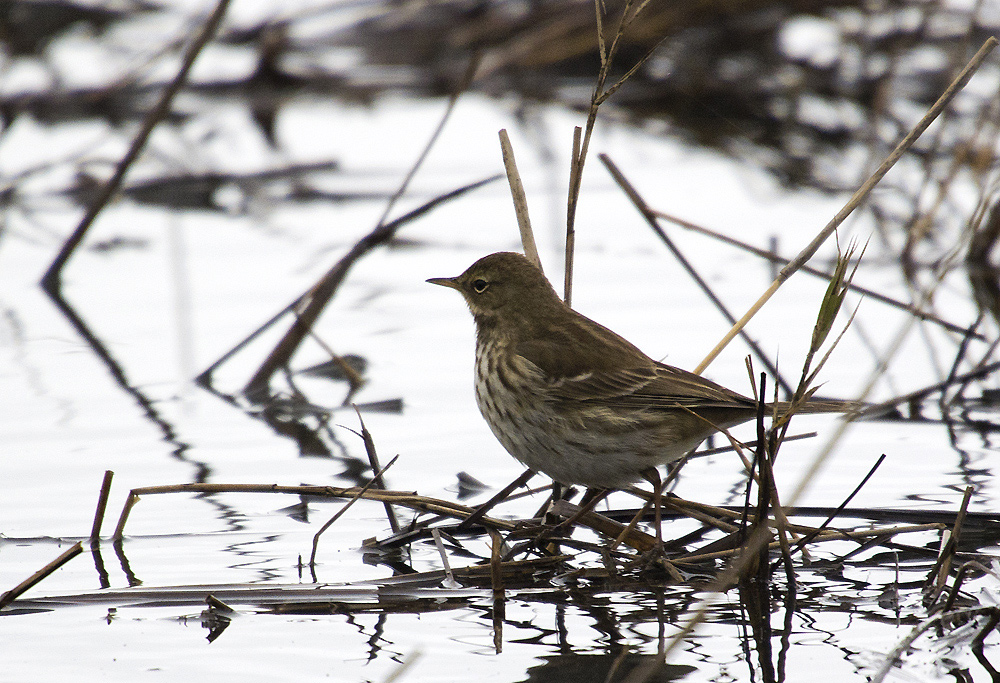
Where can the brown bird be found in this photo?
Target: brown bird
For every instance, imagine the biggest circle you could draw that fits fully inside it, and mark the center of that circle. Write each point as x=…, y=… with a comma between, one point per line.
x=569, y=397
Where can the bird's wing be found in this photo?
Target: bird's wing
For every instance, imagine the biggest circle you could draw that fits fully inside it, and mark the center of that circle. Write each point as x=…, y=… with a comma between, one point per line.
x=597, y=379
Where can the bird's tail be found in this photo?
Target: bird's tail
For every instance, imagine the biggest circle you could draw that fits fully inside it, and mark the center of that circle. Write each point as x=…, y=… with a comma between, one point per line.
x=850, y=408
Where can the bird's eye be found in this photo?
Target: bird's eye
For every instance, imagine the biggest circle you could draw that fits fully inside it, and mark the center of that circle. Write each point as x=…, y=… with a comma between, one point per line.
x=480, y=285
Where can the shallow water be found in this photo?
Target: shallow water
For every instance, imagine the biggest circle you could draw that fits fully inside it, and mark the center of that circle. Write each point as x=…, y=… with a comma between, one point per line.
x=190, y=285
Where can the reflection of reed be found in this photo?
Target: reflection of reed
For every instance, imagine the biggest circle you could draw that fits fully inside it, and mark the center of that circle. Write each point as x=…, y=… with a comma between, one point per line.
x=983, y=274
x=611, y=668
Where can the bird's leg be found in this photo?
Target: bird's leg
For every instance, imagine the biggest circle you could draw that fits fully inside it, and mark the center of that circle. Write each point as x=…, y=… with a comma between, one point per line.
x=652, y=475
x=590, y=494
x=589, y=501
x=543, y=512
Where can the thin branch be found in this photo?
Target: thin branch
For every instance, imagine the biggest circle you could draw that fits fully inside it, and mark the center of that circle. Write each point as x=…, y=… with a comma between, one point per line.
x=777, y=258
x=649, y=215
x=347, y=506
x=52, y=280
x=857, y=198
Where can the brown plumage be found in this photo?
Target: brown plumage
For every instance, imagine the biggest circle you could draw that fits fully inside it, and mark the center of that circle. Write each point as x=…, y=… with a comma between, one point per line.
x=569, y=397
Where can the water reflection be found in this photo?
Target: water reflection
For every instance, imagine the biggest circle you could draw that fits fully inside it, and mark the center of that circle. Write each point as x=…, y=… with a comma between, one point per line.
x=605, y=668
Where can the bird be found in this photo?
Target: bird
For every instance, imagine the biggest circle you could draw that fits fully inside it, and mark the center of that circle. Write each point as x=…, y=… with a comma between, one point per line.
x=570, y=398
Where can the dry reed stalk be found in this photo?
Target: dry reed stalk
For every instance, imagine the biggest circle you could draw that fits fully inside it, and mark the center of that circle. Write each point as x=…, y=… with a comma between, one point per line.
x=401, y=498
x=499, y=594
x=520, y=200
x=449, y=576
x=938, y=576
x=575, y=174
x=102, y=506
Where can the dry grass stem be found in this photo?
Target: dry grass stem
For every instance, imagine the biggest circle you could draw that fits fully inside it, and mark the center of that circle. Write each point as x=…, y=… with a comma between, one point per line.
x=650, y=217
x=778, y=259
x=575, y=174
x=520, y=201
x=373, y=461
x=857, y=198
x=347, y=506
x=401, y=498
x=581, y=144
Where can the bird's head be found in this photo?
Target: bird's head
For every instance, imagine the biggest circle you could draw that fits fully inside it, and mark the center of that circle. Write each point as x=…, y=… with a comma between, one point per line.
x=504, y=281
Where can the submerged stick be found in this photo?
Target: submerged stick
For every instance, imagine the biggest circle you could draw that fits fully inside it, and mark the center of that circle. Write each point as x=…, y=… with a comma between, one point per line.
x=20, y=588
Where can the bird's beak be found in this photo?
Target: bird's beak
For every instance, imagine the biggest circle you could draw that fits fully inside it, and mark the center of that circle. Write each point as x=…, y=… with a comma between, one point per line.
x=445, y=282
